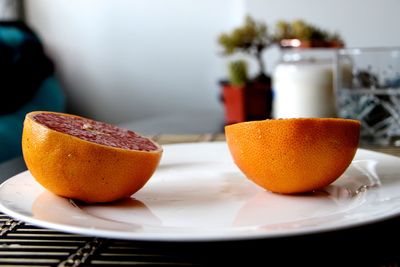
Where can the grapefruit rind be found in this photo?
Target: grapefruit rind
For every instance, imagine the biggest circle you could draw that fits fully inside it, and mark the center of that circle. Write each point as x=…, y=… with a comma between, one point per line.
x=74, y=168
x=293, y=155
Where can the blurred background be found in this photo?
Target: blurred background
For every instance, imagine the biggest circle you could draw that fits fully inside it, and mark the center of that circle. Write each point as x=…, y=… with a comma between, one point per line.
x=126, y=61
x=123, y=60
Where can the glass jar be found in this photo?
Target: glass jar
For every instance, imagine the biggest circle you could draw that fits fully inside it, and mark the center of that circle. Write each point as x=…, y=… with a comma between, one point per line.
x=303, y=81
x=368, y=90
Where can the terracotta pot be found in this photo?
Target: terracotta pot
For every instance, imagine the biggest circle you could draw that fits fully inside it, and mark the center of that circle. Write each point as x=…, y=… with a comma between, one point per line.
x=245, y=103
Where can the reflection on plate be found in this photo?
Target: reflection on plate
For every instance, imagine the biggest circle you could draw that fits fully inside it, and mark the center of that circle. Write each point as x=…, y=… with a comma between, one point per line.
x=197, y=193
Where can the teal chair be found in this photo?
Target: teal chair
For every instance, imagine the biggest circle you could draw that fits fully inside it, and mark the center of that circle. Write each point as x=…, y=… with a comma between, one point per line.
x=49, y=97
x=27, y=83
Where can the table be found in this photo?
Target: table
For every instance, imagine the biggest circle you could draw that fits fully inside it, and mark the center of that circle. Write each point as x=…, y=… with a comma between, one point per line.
x=26, y=245
x=179, y=123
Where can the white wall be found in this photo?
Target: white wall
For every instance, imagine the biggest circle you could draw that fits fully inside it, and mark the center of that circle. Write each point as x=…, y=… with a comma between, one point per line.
x=9, y=9
x=123, y=60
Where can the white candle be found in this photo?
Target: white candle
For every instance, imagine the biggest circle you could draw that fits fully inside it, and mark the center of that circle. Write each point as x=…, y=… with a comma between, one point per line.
x=304, y=89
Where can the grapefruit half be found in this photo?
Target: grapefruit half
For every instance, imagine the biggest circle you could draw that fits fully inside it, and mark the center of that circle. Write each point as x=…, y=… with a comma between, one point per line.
x=293, y=155
x=83, y=159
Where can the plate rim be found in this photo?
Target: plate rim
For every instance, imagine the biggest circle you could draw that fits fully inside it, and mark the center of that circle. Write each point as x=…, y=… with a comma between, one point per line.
x=146, y=236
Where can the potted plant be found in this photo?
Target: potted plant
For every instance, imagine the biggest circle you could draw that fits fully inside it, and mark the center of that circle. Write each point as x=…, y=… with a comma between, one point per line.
x=246, y=98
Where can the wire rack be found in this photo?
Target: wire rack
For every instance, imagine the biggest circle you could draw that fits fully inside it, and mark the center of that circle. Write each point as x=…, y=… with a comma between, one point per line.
x=27, y=245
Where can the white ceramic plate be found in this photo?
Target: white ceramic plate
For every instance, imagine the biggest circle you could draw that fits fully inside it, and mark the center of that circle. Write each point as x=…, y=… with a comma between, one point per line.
x=198, y=194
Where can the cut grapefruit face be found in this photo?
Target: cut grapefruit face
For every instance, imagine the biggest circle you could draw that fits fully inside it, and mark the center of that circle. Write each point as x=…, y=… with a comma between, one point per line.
x=83, y=159
x=293, y=155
